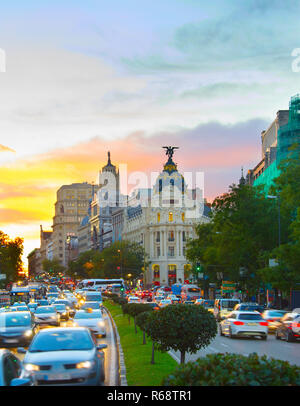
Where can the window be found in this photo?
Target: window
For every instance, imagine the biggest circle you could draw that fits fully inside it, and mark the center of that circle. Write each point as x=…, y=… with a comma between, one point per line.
x=170, y=217
x=158, y=251
x=156, y=271
x=158, y=217
x=182, y=217
x=183, y=236
x=171, y=236
x=171, y=252
x=158, y=236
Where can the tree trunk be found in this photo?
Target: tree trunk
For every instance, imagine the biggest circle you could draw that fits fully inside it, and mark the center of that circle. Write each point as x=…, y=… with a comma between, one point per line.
x=144, y=337
x=152, y=359
x=182, y=357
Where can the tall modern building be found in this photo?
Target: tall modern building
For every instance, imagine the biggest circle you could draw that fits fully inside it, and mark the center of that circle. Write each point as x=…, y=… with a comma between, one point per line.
x=276, y=141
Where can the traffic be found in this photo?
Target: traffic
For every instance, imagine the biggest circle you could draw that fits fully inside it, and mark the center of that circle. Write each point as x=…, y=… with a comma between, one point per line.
x=49, y=334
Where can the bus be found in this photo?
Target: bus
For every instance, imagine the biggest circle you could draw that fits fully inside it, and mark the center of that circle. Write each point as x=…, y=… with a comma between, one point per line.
x=190, y=292
x=99, y=284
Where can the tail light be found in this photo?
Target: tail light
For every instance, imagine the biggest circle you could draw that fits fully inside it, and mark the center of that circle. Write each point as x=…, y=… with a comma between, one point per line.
x=295, y=324
x=270, y=320
x=238, y=323
x=263, y=323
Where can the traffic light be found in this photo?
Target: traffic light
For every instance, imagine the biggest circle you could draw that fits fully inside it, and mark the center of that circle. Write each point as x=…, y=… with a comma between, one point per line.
x=198, y=267
x=118, y=268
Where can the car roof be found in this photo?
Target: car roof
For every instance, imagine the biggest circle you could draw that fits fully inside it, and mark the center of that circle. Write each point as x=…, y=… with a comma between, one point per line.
x=245, y=312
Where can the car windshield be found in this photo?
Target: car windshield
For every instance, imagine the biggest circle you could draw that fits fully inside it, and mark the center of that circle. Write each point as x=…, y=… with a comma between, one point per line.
x=91, y=305
x=15, y=320
x=45, y=309
x=93, y=298
x=62, y=341
x=193, y=290
x=60, y=306
x=86, y=315
x=251, y=307
x=228, y=304
x=276, y=313
x=249, y=316
x=208, y=303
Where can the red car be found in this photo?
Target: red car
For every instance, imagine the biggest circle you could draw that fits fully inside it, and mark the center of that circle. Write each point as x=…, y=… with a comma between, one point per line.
x=146, y=294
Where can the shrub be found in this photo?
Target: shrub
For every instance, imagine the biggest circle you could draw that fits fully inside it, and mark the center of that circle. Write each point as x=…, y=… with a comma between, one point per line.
x=234, y=370
x=181, y=327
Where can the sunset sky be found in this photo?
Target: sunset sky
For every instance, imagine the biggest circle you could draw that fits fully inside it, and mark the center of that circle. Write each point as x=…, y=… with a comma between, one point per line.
x=129, y=76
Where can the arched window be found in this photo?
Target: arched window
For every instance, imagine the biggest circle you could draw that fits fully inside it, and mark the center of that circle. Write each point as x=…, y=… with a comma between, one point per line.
x=172, y=274
x=156, y=271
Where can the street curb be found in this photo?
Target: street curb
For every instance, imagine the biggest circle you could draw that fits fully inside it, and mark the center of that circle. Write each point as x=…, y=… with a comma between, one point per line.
x=121, y=379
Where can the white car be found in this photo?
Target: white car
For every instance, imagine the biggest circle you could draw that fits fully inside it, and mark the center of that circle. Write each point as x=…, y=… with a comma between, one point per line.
x=165, y=302
x=91, y=319
x=244, y=323
x=133, y=299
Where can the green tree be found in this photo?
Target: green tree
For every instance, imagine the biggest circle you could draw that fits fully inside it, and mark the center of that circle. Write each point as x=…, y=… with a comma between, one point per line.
x=10, y=256
x=182, y=328
x=53, y=267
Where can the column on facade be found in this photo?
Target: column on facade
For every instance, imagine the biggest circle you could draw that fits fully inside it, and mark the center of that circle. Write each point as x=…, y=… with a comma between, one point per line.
x=152, y=254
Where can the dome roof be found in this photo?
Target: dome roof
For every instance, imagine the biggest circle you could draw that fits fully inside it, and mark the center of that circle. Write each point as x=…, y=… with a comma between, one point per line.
x=170, y=177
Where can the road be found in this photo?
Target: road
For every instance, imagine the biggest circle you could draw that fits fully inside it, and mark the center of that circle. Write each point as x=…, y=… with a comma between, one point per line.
x=111, y=362
x=271, y=348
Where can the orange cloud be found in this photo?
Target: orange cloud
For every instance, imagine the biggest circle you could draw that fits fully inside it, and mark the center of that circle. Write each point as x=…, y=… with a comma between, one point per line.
x=3, y=148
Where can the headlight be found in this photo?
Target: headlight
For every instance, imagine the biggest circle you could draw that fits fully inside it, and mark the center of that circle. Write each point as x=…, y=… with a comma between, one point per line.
x=28, y=333
x=31, y=367
x=85, y=364
x=101, y=324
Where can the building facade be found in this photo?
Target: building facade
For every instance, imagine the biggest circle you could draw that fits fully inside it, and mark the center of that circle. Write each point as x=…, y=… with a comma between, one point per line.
x=162, y=223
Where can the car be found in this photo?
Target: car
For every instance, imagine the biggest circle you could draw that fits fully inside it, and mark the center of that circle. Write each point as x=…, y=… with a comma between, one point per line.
x=91, y=305
x=249, y=306
x=288, y=327
x=244, y=323
x=206, y=303
x=70, y=307
x=146, y=294
x=47, y=315
x=223, y=307
x=164, y=303
x=16, y=328
x=133, y=299
x=11, y=369
x=174, y=299
x=19, y=309
x=43, y=302
x=32, y=306
x=189, y=302
x=91, y=319
x=62, y=310
x=65, y=356
x=273, y=317
x=158, y=298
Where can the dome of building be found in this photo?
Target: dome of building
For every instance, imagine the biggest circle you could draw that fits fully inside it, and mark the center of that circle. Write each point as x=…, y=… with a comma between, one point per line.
x=170, y=177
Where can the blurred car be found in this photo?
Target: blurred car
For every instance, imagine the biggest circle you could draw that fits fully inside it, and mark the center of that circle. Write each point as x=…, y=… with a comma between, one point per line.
x=189, y=302
x=288, y=327
x=16, y=328
x=65, y=356
x=19, y=309
x=164, y=303
x=69, y=306
x=11, y=369
x=206, y=303
x=51, y=296
x=244, y=323
x=249, y=307
x=62, y=311
x=273, y=317
x=43, y=302
x=146, y=294
x=32, y=306
x=174, y=299
x=19, y=304
x=133, y=299
x=158, y=298
x=91, y=319
x=91, y=305
x=47, y=315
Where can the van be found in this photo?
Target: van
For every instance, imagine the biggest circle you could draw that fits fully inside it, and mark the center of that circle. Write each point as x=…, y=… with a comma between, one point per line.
x=223, y=307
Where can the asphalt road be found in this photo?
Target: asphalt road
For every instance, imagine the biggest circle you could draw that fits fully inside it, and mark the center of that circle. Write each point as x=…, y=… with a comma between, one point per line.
x=272, y=348
x=111, y=365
